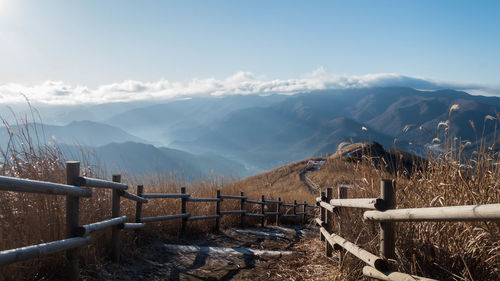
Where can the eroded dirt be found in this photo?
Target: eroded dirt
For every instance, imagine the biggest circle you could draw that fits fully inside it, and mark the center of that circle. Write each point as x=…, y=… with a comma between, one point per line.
x=154, y=261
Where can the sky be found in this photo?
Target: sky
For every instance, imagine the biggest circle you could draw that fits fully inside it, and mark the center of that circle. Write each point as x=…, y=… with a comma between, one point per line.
x=72, y=51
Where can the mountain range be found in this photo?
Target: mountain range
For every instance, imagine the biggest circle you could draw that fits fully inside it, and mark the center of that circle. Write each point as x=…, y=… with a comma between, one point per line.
x=254, y=133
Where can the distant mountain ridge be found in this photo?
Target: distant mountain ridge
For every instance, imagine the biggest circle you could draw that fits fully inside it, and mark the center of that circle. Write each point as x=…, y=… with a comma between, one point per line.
x=146, y=159
x=313, y=123
x=267, y=131
x=87, y=133
x=183, y=119
x=262, y=132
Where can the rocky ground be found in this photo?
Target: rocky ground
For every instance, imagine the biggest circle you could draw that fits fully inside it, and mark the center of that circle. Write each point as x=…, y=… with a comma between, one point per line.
x=271, y=253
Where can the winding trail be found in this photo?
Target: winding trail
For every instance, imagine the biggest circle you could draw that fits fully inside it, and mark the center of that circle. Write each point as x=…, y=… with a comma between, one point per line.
x=312, y=187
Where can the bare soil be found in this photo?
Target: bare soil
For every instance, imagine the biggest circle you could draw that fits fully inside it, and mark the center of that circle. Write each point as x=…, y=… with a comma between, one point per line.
x=153, y=261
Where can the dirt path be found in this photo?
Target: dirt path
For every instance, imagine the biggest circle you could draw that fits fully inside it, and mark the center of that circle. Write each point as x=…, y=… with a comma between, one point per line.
x=271, y=253
x=311, y=186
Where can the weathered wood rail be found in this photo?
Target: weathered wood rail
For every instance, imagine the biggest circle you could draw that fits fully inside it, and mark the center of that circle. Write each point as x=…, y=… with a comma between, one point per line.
x=79, y=235
x=383, y=211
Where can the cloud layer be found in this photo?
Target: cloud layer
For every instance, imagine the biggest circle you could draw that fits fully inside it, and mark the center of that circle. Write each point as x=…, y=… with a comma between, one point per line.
x=243, y=83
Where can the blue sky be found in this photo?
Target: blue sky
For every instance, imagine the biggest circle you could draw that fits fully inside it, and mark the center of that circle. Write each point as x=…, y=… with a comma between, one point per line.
x=95, y=43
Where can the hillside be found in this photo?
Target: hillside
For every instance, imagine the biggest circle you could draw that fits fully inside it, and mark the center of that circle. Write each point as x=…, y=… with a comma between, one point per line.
x=284, y=180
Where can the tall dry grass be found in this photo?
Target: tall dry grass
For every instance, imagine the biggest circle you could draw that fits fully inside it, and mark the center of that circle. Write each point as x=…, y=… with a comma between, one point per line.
x=456, y=175
x=28, y=219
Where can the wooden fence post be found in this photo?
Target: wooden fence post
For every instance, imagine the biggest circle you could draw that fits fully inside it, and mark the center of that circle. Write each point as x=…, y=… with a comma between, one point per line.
x=115, y=231
x=387, y=231
x=242, y=207
x=295, y=210
x=278, y=209
x=304, y=210
x=341, y=194
x=138, y=210
x=322, y=215
x=217, y=211
x=329, y=222
x=183, y=211
x=72, y=218
x=262, y=210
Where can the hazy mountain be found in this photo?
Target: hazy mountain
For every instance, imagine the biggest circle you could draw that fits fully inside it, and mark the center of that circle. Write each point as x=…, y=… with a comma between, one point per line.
x=428, y=109
x=139, y=158
x=208, y=163
x=62, y=114
x=267, y=136
x=184, y=119
x=262, y=132
x=315, y=123
x=76, y=132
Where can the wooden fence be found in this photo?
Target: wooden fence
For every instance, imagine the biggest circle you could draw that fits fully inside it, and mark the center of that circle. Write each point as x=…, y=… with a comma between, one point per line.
x=78, y=235
x=383, y=211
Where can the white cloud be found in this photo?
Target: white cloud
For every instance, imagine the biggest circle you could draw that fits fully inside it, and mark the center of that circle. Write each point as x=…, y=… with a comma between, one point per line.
x=244, y=83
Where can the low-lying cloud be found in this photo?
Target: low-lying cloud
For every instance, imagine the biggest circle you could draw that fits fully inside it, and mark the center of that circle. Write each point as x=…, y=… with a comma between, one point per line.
x=241, y=83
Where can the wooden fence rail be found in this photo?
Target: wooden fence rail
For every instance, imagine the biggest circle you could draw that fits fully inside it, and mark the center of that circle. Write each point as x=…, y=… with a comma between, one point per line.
x=132, y=225
x=132, y=197
x=40, y=250
x=386, y=214
x=85, y=230
x=79, y=235
x=31, y=186
x=369, y=271
x=90, y=182
x=452, y=213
